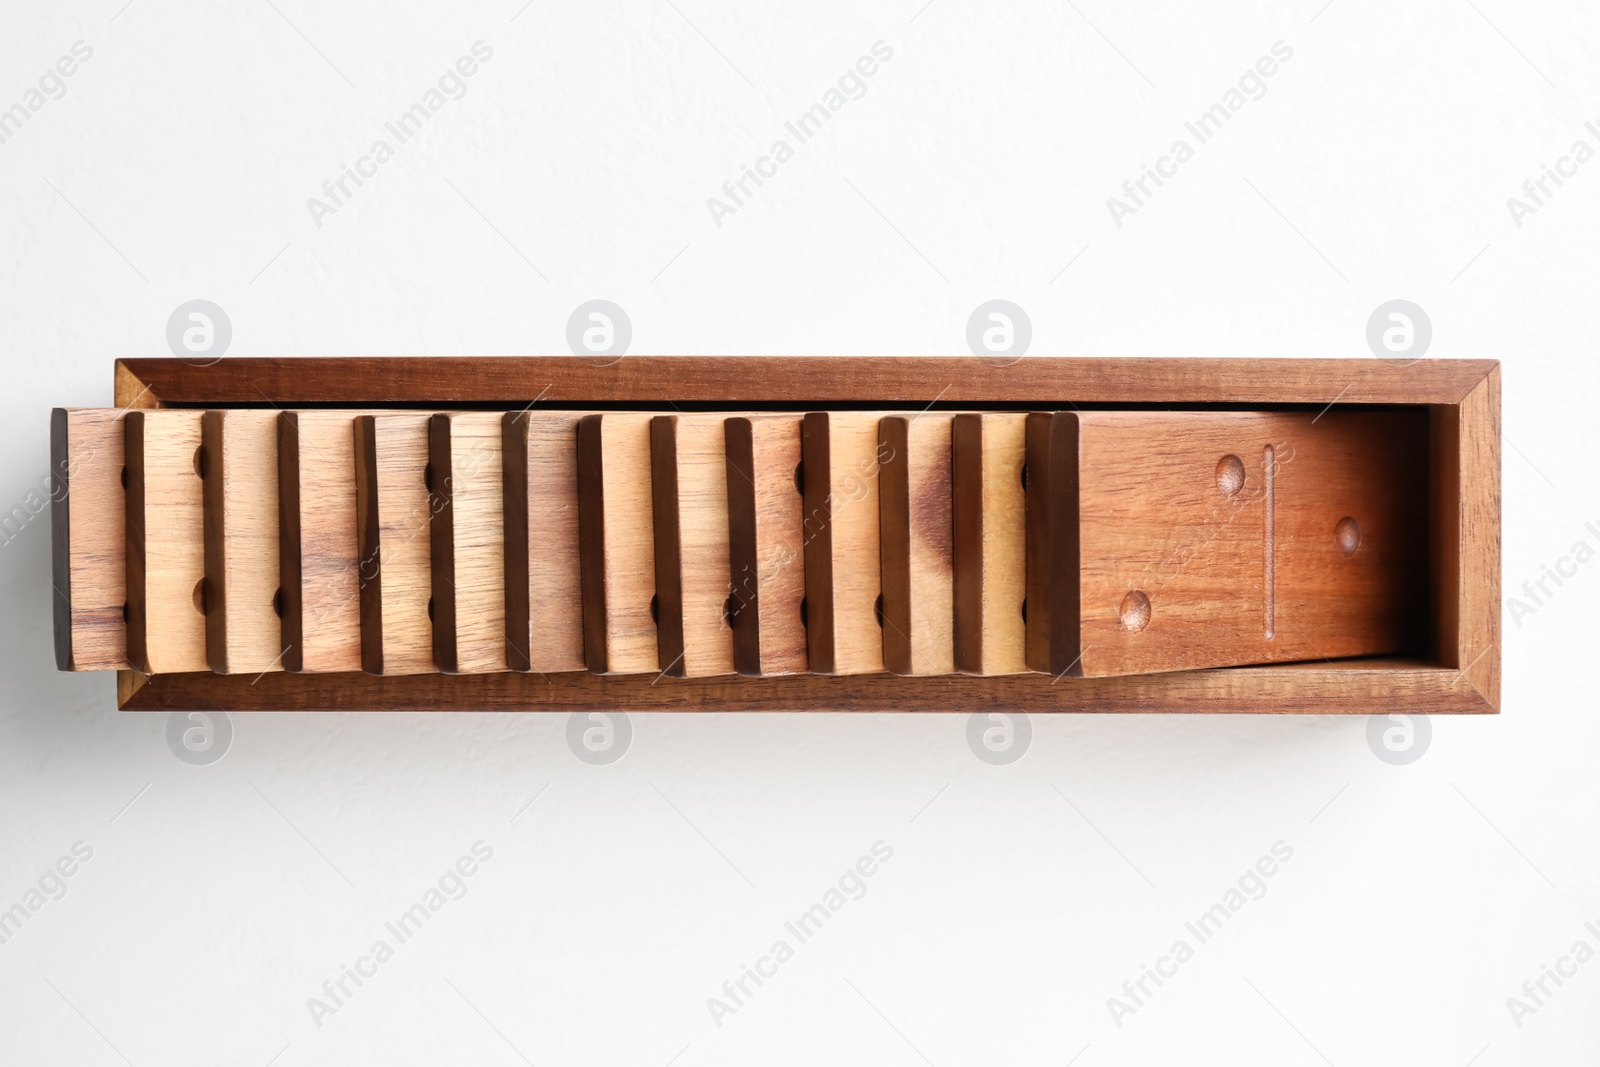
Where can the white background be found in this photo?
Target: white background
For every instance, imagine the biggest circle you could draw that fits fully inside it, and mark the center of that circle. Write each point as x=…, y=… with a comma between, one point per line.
x=1019, y=898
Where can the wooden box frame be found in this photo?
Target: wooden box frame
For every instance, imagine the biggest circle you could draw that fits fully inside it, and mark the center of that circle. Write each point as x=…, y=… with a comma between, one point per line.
x=1460, y=675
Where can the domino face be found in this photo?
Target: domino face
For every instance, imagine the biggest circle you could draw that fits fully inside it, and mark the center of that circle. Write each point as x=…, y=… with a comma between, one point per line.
x=1162, y=541
x=916, y=543
x=989, y=542
x=467, y=542
x=165, y=542
x=318, y=546
x=766, y=544
x=617, y=544
x=689, y=484
x=548, y=510
x=840, y=452
x=393, y=512
x=239, y=489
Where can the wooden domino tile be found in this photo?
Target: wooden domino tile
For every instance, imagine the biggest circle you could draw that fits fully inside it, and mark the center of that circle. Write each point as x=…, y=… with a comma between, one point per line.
x=467, y=542
x=165, y=538
x=544, y=592
x=689, y=480
x=989, y=542
x=394, y=573
x=87, y=515
x=766, y=544
x=916, y=548
x=617, y=544
x=318, y=549
x=1163, y=541
x=239, y=480
x=841, y=458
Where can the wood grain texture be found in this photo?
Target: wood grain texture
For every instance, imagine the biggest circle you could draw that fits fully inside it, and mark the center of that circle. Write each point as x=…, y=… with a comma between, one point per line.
x=132, y=389
x=916, y=543
x=87, y=516
x=591, y=541
x=989, y=545
x=165, y=535
x=239, y=465
x=1465, y=538
x=393, y=512
x=689, y=476
x=555, y=595
x=369, y=548
x=766, y=544
x=1052, y=601
x=1344, y=687
x=514, y=535
x=617, y=544
x=668, y=603
x=318, y=547
x=289, y=582
x=1211, y=539
x=467, y=542
x=807, y=382
x=894, y=543
x=841, y=459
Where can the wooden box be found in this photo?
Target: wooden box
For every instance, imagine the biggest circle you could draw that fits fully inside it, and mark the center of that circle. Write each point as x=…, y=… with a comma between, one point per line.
x=1459, y=672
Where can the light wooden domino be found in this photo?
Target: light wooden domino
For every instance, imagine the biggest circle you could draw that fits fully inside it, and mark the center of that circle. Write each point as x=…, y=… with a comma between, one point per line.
x=88, y=547
x=989, y=519
x=617, y=544
x=766, y=544
x=916, y=543
x=467, y=542
x=1163, y=541
x=318, y=553
x=841, y=462
x=165, y=537
x=239, y=476
x=394, y=575
x=544, y=597
x=689, y=487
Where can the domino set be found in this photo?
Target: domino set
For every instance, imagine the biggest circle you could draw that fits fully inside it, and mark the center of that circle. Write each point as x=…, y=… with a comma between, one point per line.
x=951, y=535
